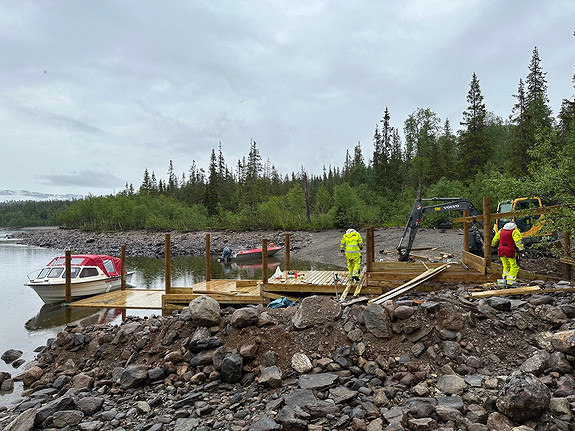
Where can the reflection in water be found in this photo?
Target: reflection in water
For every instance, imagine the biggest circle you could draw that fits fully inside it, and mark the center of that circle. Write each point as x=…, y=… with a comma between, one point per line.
x=54, y=315
x=187, y=271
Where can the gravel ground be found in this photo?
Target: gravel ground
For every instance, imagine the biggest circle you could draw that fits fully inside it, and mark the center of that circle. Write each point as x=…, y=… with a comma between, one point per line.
x=314, y=246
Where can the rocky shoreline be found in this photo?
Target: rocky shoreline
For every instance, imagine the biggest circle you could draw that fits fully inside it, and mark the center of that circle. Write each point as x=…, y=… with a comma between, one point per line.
x=430, y=361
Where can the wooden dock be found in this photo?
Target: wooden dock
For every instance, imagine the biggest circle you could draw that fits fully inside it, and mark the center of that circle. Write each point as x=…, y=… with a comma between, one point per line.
x=142, y=299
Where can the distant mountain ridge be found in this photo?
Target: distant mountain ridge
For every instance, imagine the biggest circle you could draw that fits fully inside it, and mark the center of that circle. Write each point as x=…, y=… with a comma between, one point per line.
x=25, y=195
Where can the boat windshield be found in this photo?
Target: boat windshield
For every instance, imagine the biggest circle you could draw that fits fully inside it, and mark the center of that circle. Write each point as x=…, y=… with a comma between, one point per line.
x=74, y=271
x=56, y=272
x=62, y=261
x=43, y=273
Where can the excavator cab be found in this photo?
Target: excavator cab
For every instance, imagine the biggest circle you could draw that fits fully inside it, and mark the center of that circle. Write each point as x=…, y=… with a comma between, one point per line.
x=531, y=226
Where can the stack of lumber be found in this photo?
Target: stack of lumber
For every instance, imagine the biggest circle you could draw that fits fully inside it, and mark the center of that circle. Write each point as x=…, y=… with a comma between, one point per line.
x=411, y=284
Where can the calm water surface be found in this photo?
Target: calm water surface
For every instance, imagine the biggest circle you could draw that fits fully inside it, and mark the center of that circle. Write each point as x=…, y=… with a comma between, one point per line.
x=27, y=322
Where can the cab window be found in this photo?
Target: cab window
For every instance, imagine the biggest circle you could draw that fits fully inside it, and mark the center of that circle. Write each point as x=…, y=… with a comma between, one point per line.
x=56, y=272
x=88, y=272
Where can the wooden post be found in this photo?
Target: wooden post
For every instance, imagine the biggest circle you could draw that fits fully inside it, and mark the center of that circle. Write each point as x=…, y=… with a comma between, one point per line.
x=168, y=254
x=369, y=251
x=287, y=246
x=465, y=231
x=123, y=266
x=265, y=260
x=567, y=252
x=487, y=230
x=208, y=253
x=68, y=270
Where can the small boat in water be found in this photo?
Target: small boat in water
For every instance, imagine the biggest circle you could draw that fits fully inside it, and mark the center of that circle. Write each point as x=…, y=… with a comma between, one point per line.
x=256, y=253
x=91, y=274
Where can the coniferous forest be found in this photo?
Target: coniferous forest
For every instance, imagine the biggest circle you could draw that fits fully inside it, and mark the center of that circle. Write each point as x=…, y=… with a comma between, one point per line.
x=530, y=153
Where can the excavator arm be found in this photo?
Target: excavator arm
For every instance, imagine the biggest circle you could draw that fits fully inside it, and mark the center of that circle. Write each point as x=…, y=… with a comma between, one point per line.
x=414, y=220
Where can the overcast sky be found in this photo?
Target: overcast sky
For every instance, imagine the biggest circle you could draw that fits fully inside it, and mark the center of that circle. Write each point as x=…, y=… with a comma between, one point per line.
x=93, y=92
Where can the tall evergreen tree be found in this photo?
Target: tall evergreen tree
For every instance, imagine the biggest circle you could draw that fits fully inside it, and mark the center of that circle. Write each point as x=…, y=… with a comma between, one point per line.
x=211, y=194
x=475, y=149
x=532, y=118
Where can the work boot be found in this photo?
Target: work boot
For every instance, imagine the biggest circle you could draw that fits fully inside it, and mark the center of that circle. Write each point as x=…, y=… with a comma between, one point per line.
x=355, y=278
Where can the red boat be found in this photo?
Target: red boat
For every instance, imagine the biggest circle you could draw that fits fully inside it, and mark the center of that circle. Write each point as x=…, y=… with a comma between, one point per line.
x=256, y=253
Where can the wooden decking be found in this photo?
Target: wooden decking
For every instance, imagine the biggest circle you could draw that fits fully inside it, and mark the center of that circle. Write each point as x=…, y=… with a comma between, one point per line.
x=143, y=299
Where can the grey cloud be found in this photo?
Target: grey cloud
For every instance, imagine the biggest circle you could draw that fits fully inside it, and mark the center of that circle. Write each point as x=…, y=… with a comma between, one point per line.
x=85, y=178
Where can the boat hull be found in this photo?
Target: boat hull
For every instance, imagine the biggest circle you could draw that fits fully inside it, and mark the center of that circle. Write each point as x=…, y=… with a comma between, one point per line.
x=55, y=292
x=256, y=253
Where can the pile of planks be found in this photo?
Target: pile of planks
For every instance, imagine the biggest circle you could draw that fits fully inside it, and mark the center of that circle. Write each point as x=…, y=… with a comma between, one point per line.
x=411, y=284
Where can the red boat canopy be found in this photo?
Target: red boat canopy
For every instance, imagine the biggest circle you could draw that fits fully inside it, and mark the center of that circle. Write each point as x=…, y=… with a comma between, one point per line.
x=112, y=266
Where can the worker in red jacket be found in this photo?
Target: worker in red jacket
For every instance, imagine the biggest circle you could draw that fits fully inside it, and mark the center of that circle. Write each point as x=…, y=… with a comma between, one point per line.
x=509, y=239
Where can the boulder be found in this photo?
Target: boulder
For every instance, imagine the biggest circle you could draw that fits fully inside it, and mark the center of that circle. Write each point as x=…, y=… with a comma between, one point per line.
x=205, y=311
x=11, y=355
x=244, y=317
x=315, y=310
x=523, y=397
x=231, y=369
x=377, y=321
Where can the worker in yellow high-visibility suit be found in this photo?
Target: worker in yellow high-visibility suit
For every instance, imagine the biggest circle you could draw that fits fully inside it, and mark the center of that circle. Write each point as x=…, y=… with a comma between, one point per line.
x=351, y=246
x=509, y=239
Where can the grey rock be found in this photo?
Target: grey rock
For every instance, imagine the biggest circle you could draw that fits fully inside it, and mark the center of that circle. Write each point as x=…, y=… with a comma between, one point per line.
x=7, y=385
x=537, y=363
x=451, y=349
x=474, y=380
x=203, y=358
x=420, y=407
x=90, y=425
x=523, y=397
x=499, y=303
x=453, y=402
x=271, y=377
x=244, y=317
x=205, y=311
x=67, y=418
x=307, y=313
x=299, y=398
x=558, y=362
x=23, y=422
x=404, y=312
x=341, y=394
x=317, y=381
x=265, y=423
x=498, y=422
x=11, y=355
x=377, y=321
x=90, y=405
x=231, y=369
x=564, y=341
x=430, y=306
x=186, y=424
x=301, y=363
x=62, y=403
x=133, y=376
x=451, y=384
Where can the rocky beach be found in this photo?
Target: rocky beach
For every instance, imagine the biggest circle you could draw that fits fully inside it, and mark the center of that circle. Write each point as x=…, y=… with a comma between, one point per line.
x=425, y=361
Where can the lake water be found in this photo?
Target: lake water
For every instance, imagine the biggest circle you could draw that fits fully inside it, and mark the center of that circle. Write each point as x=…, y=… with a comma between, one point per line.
x=27, y=322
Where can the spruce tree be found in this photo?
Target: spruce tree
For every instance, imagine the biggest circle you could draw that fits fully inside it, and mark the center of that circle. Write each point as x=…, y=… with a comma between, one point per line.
x=474, y=147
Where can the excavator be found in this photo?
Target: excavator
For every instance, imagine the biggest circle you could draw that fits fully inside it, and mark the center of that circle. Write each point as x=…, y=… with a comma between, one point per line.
x=414, y=220
x=531, y=226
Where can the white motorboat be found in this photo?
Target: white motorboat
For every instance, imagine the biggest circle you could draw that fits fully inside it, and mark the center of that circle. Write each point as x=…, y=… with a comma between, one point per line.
x=91, y=274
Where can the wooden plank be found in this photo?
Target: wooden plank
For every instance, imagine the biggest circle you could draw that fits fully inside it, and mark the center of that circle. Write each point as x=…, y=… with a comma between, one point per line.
x=526, y=290
x=567, y=260
x=409, y=285
x=144, y=299
x=473, y=261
